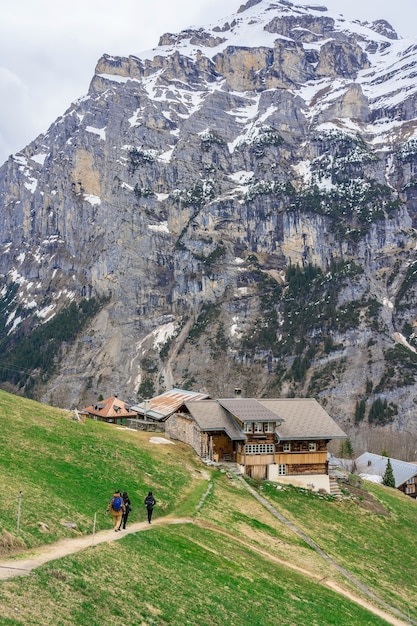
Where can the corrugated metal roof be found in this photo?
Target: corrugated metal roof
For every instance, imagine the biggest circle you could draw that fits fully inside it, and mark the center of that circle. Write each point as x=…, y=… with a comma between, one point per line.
x=210, y=416
x=304, y=418
x=164, y=405
x=374, y=464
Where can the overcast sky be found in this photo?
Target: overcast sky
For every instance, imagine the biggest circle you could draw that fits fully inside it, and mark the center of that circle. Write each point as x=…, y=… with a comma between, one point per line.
x=49, y=49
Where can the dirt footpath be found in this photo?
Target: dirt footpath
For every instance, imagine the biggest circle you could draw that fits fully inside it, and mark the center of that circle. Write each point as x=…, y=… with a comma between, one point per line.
x=18, y=566
x=327, y=582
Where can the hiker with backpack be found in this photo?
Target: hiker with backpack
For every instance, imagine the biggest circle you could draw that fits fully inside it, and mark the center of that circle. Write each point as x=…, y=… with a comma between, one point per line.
x=128, y=508
x=116, y=507
x=150, y=503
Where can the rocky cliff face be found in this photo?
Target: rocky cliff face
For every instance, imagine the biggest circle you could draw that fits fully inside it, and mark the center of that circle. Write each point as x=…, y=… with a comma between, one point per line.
x=240, y=204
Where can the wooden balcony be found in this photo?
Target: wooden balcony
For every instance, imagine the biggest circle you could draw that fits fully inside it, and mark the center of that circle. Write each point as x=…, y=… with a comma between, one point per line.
x=283, y=458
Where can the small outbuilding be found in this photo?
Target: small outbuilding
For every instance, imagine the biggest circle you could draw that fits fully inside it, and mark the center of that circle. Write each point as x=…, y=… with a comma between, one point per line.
x=111, y=410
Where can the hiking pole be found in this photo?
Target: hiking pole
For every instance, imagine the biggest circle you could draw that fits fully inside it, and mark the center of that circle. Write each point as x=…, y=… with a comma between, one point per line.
x=94, y=526
x=19, y=506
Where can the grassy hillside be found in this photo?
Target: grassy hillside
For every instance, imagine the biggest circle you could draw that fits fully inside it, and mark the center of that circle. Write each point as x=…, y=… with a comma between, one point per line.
x=68, y=470
x=237, y=564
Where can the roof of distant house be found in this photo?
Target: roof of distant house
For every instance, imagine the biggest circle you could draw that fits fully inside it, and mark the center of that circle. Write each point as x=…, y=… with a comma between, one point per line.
x=110, y=407
x=368, y=464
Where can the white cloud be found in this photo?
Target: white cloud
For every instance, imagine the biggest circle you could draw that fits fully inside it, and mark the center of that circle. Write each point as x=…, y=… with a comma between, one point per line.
x=401, y=15
x=48, y=49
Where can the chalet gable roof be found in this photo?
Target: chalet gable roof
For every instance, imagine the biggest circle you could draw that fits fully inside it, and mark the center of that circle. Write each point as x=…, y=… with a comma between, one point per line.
x=210, y=416
x=295, y=418
x=248, y=410
x=303, y=418
x=110, y=407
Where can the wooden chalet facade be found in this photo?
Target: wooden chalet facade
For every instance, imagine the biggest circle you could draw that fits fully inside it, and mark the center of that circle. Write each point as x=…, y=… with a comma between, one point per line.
x=283, y=440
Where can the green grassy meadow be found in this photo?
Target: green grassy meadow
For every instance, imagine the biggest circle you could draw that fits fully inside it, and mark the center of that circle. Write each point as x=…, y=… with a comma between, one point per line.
x=236, y=565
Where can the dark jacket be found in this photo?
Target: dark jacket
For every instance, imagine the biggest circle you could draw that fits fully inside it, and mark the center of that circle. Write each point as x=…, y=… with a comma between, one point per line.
x=150, y=501
x=126, y=502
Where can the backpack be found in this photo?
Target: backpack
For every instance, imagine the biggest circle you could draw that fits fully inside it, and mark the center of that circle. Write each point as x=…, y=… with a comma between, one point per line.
x=117, y=503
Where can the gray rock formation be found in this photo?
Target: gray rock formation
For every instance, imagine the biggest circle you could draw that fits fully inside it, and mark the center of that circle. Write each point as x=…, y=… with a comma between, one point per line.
x=240, y=204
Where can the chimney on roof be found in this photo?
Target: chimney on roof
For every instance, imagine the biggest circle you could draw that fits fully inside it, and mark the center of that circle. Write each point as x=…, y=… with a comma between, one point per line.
x=238, y=392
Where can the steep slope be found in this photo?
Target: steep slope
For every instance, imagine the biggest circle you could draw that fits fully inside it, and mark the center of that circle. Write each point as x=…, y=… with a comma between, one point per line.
x=234, y=208
x=301, y=550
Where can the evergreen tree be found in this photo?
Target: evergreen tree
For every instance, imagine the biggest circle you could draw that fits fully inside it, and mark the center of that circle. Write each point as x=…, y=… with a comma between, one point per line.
x=381, y=413
x=346, y=449
x=359, y=411
x=388, y=478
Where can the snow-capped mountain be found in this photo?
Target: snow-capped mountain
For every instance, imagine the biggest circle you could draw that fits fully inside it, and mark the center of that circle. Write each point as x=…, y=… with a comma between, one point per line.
x=236, y=207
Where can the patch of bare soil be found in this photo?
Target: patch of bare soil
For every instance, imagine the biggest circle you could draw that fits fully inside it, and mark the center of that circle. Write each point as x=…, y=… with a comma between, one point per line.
x=364, y=499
